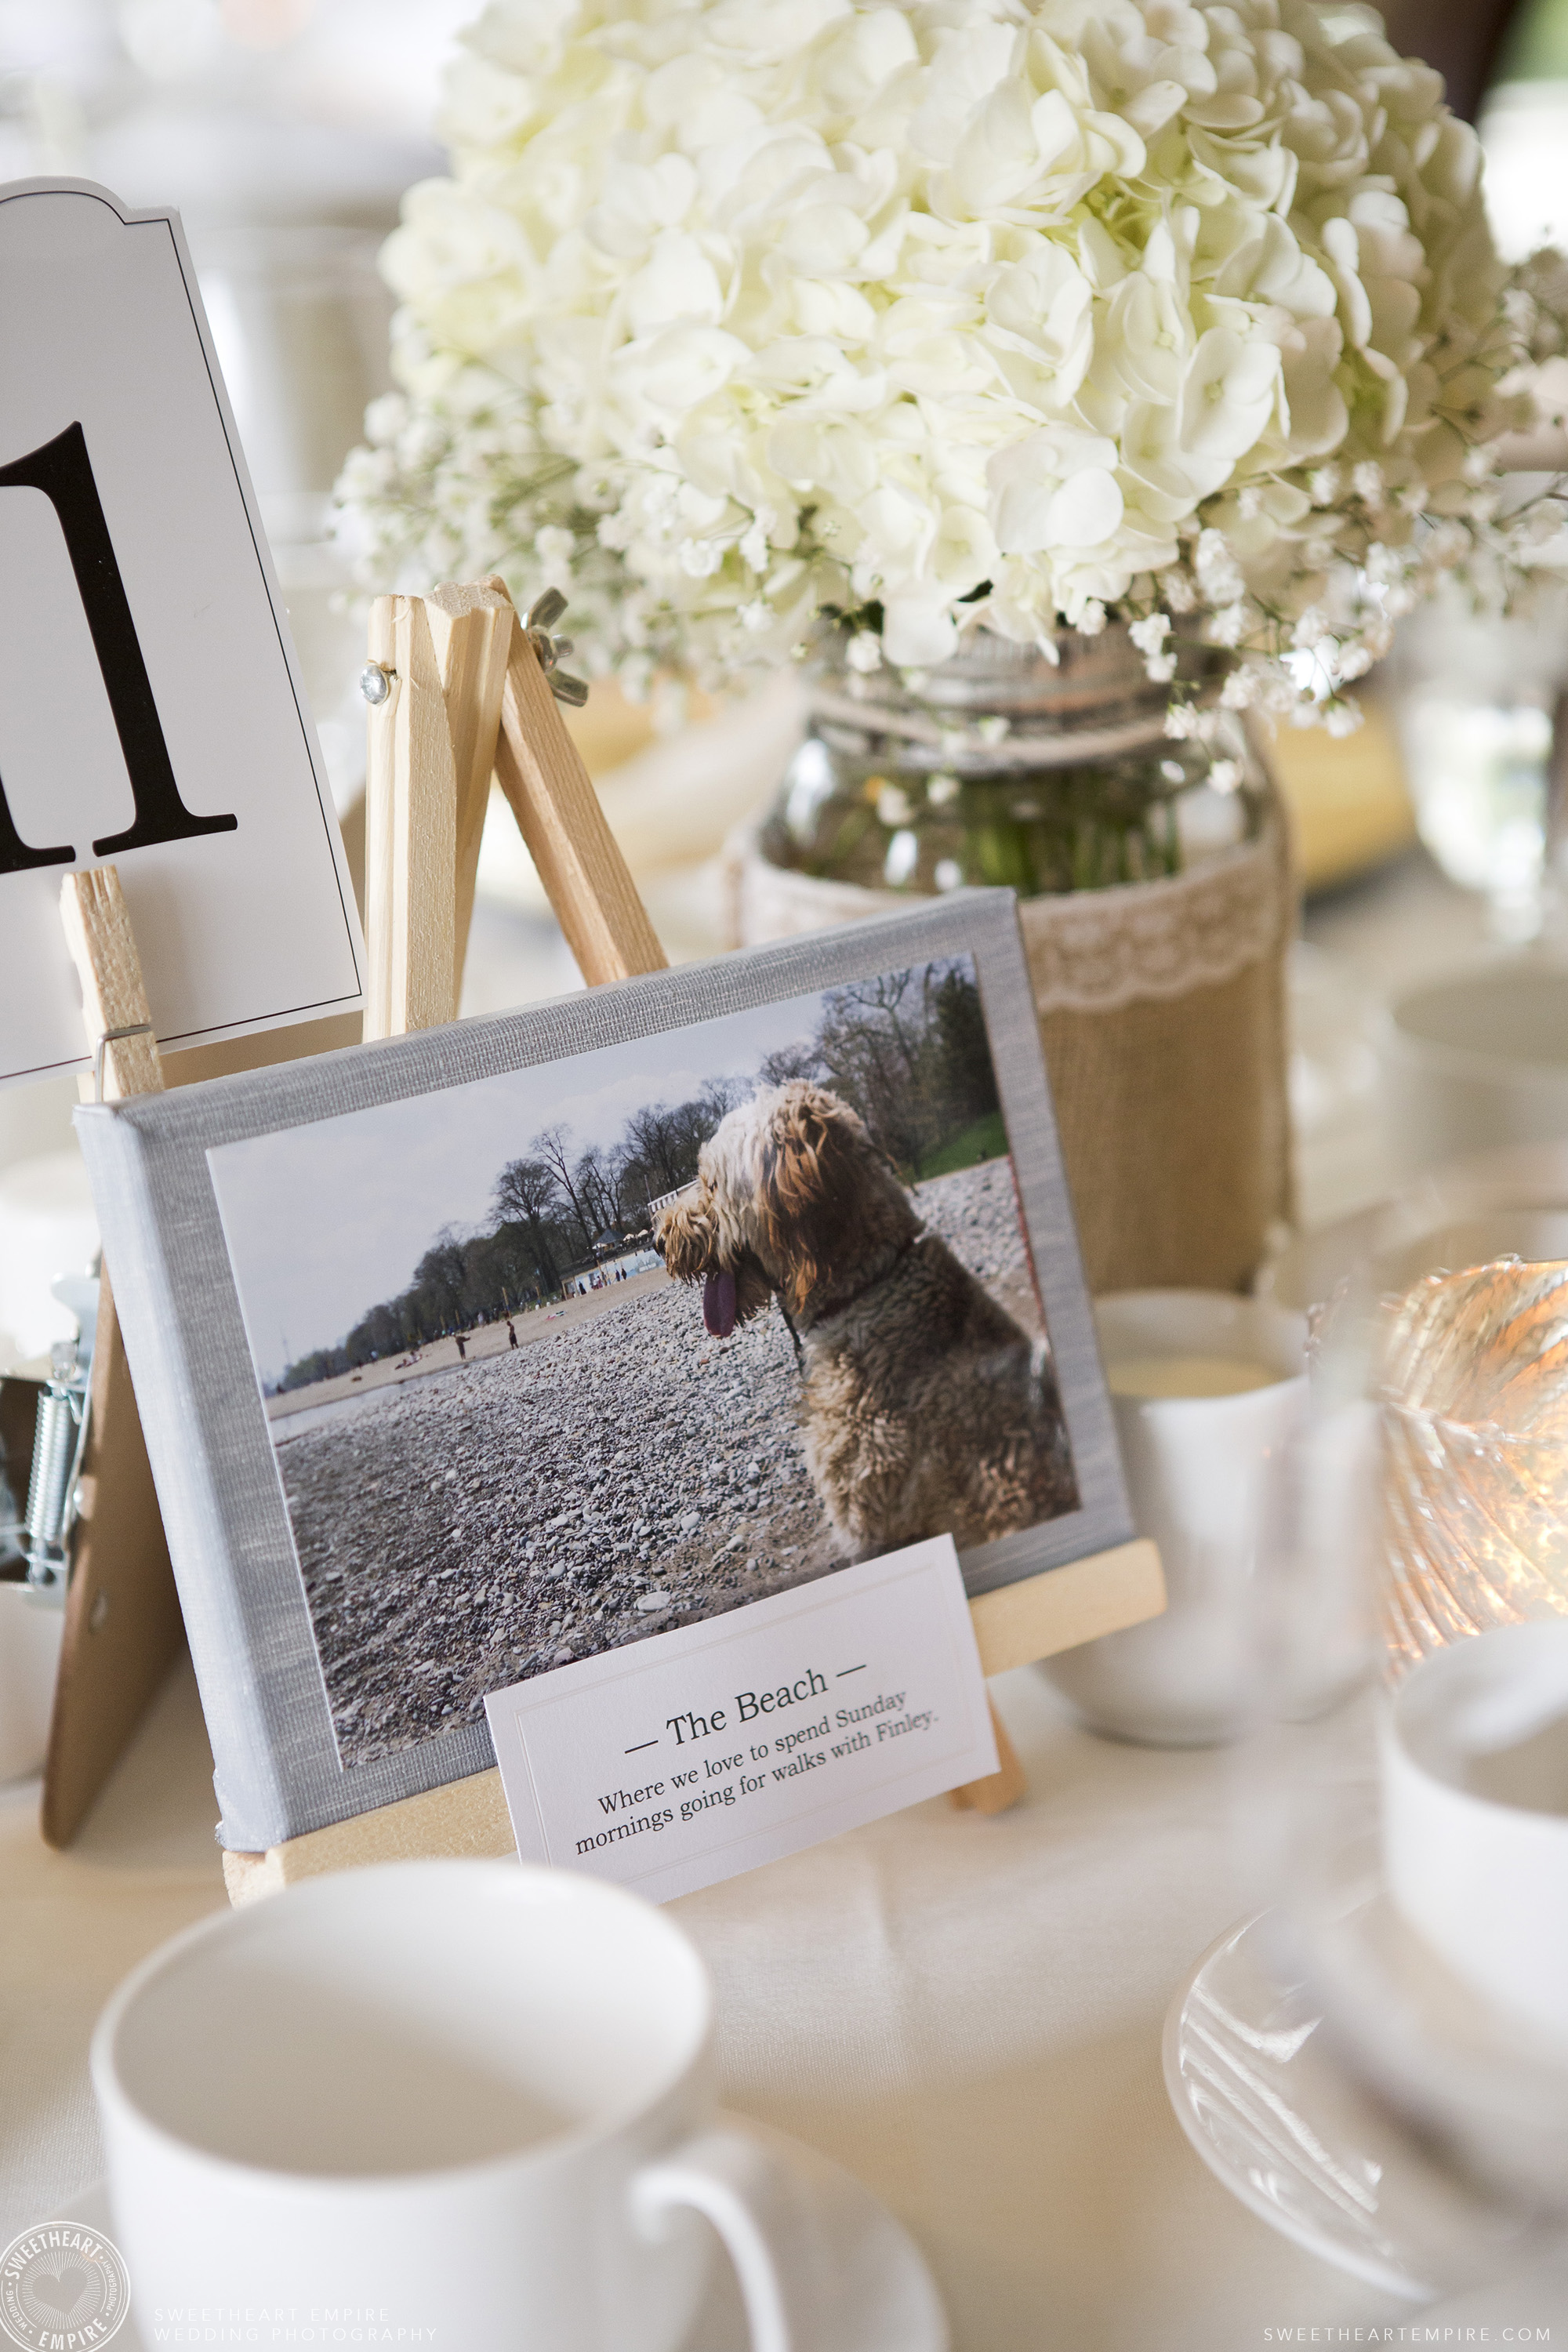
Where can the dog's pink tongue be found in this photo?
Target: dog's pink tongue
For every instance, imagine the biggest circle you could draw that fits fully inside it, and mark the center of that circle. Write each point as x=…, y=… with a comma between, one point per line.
x=719, y=1303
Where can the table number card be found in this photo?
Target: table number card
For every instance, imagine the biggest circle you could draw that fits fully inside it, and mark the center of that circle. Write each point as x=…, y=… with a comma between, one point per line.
x=150, y=709
x=696, y=1754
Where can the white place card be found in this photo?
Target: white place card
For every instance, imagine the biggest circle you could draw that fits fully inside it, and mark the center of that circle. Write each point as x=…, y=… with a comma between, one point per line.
x=686, y=1757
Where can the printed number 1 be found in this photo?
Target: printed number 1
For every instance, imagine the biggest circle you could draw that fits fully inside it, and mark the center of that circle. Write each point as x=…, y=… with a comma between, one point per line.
x=62, y=469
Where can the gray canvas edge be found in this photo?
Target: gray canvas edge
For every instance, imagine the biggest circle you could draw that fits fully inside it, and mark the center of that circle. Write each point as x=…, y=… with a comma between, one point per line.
x=278, y=1773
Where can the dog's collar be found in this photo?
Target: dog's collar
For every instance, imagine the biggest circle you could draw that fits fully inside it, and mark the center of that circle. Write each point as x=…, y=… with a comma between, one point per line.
x=794, y=1335
x=838, y=1305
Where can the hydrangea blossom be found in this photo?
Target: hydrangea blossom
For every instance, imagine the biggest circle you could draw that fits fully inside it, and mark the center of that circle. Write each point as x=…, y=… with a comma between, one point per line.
x=938, y=314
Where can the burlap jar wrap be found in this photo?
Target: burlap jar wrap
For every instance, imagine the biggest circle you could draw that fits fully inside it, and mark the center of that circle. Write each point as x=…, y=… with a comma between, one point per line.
x=1163, y=1011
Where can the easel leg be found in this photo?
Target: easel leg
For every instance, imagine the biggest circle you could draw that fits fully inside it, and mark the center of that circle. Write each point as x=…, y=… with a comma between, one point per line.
x=999, y=1789
x=122, y=1623
x=122, y=1629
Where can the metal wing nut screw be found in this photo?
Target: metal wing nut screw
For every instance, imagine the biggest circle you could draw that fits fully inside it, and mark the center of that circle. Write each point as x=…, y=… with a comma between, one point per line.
x=540, y=620
x=375, y=680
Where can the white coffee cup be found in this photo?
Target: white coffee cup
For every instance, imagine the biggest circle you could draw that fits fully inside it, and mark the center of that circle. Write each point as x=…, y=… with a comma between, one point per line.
x=473, y=2098
x=1474, y=1816
x=1198, y=1475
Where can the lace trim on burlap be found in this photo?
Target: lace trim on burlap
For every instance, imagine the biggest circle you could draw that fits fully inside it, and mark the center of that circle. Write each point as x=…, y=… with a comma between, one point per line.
x=1090, y=952
x=1096, y=949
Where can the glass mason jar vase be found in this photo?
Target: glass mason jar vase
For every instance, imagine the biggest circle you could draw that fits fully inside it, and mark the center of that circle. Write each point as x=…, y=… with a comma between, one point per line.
x=1156, y=910
x=1000, y=766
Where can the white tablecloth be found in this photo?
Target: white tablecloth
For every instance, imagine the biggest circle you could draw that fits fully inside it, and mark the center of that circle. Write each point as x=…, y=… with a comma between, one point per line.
x=965, y=2013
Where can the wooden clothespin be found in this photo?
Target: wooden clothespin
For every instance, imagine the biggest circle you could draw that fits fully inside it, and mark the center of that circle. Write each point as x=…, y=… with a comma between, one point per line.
x=122, y=1626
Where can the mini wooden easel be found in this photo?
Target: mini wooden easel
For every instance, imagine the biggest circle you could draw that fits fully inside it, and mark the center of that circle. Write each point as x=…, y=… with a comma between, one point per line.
x=468, y=692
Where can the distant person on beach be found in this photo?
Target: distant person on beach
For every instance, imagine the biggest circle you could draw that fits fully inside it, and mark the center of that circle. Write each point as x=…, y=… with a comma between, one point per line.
x=462, y=1347
x=510, y=1331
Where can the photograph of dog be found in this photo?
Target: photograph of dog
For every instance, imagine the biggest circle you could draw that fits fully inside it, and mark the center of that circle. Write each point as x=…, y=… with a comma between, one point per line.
x=925, y=1409
x=565, y=1357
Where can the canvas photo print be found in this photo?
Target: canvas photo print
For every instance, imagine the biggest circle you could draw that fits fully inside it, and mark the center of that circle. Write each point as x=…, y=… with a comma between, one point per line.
x=563, y=1357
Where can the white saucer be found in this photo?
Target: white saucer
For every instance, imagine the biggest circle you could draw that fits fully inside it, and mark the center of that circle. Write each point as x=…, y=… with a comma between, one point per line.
x=883, y=2298
x=1268, y=2103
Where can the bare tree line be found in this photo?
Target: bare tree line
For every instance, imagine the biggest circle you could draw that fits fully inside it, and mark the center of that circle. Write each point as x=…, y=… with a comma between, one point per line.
x=907, y=1050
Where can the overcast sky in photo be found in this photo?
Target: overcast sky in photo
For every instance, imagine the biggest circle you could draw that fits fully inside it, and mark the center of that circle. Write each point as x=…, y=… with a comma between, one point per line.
x=324, y=1221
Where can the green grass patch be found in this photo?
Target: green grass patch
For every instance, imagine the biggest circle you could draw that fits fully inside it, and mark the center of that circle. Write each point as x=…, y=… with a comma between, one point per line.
x=986, y=1139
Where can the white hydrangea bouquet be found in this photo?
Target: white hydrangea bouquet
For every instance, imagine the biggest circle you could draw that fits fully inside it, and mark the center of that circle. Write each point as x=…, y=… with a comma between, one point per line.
x=940, y=315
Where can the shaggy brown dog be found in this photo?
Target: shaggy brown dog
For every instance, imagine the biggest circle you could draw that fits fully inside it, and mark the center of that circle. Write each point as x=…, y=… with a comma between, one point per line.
x=928, y=1410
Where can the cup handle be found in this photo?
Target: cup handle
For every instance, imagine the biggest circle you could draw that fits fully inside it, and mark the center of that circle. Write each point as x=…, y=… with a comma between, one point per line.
x=757, y=2204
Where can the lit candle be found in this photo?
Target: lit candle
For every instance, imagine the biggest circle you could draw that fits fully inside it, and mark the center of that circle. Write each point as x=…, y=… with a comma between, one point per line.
x=1475, y=1416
